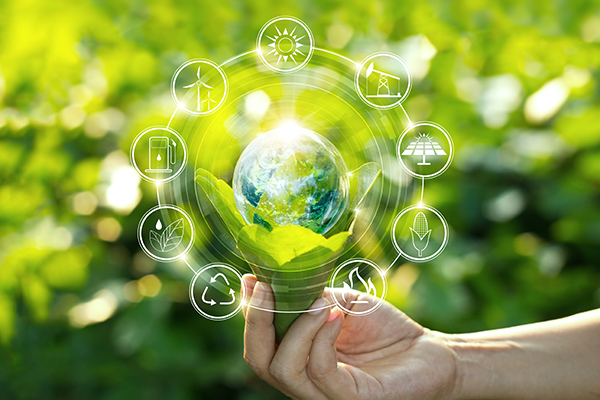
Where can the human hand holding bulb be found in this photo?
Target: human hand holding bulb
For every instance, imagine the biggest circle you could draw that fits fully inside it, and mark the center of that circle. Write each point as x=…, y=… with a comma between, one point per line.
x=383, y=355
x=386, y=355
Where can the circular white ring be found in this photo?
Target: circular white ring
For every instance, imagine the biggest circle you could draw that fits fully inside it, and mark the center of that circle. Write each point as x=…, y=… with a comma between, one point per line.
x=364, y=98
x=199, y=61
x=134, y=163
x=366, y=101
x=201, y=311
x=361, y=261
x=141, y=240
x=444, y=242
x=448, y=138
x=308, y=33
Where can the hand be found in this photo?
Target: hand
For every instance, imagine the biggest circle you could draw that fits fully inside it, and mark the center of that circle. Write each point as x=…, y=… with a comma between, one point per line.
x=329, y=355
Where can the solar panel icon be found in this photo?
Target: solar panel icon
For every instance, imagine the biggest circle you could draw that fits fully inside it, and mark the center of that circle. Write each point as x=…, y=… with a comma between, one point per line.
x=424, y=146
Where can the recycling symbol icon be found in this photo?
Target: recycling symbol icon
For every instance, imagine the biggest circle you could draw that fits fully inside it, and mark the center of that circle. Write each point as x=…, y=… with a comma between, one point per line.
x=212, y=302
x=215, y=296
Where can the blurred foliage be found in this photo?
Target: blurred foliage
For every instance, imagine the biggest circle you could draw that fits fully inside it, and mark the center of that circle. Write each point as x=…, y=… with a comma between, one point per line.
x=84, y=314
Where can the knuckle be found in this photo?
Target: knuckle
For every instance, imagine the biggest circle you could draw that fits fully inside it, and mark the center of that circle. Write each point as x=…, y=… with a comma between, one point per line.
x=317, y=372
x=281, y=373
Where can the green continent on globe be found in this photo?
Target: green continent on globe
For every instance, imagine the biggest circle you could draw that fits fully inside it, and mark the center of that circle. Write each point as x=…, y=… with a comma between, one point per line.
x=291, y=176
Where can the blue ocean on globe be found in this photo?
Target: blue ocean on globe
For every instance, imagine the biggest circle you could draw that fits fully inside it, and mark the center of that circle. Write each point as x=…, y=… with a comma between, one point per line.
x=291, y=176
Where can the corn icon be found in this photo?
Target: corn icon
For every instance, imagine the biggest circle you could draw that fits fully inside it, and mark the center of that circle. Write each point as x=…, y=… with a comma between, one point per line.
x=420, y=233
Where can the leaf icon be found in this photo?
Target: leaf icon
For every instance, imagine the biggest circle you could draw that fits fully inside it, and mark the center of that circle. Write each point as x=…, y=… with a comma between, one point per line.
x=169, y=239
x=155, y=241
x=173, y=235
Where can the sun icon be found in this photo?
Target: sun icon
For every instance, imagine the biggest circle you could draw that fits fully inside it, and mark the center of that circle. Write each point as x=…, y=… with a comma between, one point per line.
x=286, y=45
x=423, y=137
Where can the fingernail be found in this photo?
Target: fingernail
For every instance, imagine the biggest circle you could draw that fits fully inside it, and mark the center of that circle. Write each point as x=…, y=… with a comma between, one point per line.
x=318, y=306
x=258, y=295
x=336, y=312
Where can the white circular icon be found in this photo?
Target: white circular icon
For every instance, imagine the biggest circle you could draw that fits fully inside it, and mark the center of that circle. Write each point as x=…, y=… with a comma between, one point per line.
x=425, y=150
x=361, y=275
x=285, y=44
x=199, y=87
x=166, y=233
x=214, y=292
x=420, y=233
x=158, y=154
x=383, y=80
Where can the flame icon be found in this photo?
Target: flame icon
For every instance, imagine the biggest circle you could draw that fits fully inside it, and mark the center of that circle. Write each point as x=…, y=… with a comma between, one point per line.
x=369, y=287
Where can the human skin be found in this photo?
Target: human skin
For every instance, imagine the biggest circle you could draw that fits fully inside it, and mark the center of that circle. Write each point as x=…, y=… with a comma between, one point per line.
x=386, y=355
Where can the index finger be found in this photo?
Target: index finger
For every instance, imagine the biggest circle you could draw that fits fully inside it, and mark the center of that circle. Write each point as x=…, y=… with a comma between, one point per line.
x=259, y=333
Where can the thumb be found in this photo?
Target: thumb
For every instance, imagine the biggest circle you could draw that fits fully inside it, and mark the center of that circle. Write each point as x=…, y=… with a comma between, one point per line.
x=323, y=368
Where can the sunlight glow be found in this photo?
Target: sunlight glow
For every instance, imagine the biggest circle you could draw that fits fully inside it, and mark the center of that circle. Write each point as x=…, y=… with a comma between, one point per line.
x=544, y=103
x=124, y=194
x=99, y=309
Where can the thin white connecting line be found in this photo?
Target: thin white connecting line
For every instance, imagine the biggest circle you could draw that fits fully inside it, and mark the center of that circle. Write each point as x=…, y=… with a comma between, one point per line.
x=392, y=264
x=236, y=57
x=158, y=194
x=339, y=55
x=169, y=123
x=407, y=117
x=356, y=65
x=290, y=312
x=422, y=190
x=188, y=264
x=226, y=62
x=172, y=116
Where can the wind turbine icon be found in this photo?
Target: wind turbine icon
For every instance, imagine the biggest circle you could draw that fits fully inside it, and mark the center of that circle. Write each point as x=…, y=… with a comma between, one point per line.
x=199, y=84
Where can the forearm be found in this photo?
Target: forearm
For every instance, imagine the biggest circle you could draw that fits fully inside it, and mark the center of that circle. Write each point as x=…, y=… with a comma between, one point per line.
x=551, y=360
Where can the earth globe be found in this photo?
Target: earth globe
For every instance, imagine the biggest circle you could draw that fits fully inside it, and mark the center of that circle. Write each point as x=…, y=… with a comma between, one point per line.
x=291, y=176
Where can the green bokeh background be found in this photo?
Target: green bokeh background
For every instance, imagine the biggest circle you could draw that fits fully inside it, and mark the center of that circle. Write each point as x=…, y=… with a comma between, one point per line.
x=85, y=314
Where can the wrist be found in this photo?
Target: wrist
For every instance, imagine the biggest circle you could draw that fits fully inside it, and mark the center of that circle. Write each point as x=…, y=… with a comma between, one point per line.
x=452, y=388
x=457, y=347
x=483, y=366
x=549, y=360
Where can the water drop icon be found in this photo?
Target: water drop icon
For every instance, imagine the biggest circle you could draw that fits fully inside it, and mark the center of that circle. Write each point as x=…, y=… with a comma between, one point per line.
x=158, y=225
x=158, y=158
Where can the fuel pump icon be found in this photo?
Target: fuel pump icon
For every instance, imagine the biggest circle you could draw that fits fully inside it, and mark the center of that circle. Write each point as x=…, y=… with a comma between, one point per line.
x=161, y=154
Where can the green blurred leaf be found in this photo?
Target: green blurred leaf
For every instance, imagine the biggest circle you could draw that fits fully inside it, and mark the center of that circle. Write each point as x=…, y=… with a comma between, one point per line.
x=85, y=173
x=220, y=195
x=67, y=269
x=7, y=318
x=37, y=296
x=10, y=157
x=288, y=247
x=581, y=130
x=19, y=201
